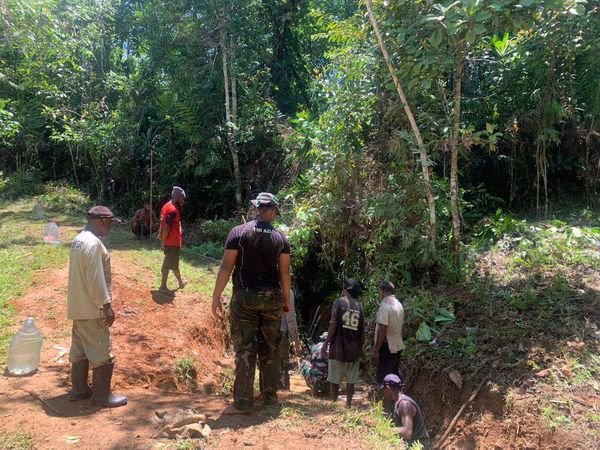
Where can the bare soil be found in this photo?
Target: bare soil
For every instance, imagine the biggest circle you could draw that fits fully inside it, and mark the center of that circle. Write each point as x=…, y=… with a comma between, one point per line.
x=152, y=331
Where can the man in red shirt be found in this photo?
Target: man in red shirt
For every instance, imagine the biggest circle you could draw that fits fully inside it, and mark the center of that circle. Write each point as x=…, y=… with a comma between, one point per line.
x=171, y=234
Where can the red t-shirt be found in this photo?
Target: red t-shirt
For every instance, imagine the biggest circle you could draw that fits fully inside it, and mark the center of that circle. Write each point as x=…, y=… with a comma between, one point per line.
x=170, y=216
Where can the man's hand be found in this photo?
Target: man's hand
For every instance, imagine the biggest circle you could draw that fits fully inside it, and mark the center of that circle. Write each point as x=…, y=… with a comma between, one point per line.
x=109, y=314
x=297, y=349
x=287, y=305
x=375, y=357
x=325, y=349
x=217, y=306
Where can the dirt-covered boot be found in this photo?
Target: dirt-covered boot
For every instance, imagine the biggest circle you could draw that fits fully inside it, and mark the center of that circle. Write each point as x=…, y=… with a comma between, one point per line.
x=79, y=380
x=101, y=384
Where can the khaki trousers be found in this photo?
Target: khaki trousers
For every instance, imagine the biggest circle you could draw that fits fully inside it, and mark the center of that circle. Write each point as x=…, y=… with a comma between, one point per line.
x=91, y=340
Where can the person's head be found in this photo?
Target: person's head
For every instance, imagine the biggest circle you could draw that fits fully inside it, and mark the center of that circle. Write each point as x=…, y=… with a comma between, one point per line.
x=178, y=196
x=391, y=386
x=352, y=287
x=147, y=206
x=267, y=206
x=100, y=220
x=386, y=288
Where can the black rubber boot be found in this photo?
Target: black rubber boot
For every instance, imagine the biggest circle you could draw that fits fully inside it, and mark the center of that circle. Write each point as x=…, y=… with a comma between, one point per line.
x=102, y=396
x=79, y=379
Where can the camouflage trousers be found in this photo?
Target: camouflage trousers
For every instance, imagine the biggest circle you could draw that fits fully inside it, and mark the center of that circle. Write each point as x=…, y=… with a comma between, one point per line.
x=255, y=317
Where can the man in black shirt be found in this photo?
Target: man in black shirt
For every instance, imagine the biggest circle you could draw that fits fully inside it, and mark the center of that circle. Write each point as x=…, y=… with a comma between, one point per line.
x=345, y=338
x=406, y=414
x=259, y=257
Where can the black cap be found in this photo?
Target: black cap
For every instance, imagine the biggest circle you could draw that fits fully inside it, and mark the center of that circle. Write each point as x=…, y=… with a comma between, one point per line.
x=353, y=286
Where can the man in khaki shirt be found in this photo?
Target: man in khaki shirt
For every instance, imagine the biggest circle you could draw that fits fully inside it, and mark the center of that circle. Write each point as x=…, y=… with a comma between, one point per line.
x=388, y=332
x=89, y=306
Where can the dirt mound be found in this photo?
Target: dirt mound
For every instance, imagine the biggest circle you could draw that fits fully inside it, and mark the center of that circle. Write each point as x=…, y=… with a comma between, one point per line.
x=498, y=417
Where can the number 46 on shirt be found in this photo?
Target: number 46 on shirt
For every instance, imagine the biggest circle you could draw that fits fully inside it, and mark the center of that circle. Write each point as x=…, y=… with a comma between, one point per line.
x=350, y=319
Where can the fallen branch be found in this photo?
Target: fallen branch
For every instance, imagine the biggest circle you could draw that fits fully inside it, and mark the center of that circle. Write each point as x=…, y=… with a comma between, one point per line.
x=458, y=414
x=44, y=402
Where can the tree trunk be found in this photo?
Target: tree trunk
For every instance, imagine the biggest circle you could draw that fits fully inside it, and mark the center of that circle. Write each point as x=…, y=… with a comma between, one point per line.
x=228, y=118
x=454, y=143
x=413, y=125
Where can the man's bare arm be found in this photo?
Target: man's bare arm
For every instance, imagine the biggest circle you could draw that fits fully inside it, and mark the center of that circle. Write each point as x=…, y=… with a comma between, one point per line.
x=225, y=269
x=407, y=413
x=381, y=331
x=285, y=280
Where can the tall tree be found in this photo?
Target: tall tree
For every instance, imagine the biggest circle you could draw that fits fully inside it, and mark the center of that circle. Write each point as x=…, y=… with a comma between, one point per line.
x=413, y=124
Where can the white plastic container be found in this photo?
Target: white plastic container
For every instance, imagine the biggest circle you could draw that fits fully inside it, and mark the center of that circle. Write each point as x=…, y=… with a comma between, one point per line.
x=24, y=351
x=51, y=233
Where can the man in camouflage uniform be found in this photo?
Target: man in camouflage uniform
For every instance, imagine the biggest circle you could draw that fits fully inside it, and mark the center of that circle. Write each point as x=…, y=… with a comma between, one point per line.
x=259, y=257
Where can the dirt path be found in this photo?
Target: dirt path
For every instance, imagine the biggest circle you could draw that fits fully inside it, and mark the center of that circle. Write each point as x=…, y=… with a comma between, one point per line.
x=149, y=334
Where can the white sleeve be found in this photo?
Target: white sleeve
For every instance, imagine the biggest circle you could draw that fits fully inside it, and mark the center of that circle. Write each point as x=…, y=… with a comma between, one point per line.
x=383, y=315
x=96, y=282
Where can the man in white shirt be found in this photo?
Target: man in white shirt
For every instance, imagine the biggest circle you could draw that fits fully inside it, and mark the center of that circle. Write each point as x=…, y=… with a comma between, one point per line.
x=89, y=306
x=388, y=332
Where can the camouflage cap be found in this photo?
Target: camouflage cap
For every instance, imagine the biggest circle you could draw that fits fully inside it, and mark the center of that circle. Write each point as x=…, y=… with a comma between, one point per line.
x=266, y=199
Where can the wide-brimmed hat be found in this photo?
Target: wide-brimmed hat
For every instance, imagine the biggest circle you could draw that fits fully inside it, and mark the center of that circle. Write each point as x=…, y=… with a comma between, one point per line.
x=102, y=212
x=266, y=199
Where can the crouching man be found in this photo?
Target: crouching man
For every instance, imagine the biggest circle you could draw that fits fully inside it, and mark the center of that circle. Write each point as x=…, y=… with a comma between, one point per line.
x=406, y=414
x=89, y=306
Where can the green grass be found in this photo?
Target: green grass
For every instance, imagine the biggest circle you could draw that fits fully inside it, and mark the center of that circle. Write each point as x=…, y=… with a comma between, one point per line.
x=185, y=369
x=179, y=444
x=378, y=427
x=22, y=253
x=16, y=441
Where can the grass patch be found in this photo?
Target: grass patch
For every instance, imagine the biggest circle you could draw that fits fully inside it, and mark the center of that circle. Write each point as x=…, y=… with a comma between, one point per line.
x=16, y=441
x=179, y=444
x=377, y=426
x=555, y=419
x=185, y=369
x=227, y=381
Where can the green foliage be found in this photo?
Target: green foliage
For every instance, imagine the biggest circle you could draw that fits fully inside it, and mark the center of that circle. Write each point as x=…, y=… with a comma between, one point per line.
x=493, y=228
x=227, y=382
x=185, y=369
x=211, y=249
x=16, y=441
x=376, y=423
x=64, y=198
x=433, y=313
x=213, y=230
x=21, y=183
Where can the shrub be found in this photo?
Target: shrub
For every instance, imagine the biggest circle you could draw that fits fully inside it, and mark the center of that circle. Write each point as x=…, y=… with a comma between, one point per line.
x=64, y=198
x=20, y=183
x=215, y=231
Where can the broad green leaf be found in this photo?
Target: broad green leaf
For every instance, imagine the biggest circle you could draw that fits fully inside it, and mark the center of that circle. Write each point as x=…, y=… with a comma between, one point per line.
x=436, y=38
x=482, y=16
x=424, y=333
x=526, y=3
x=479, y=28
x=444, y=316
